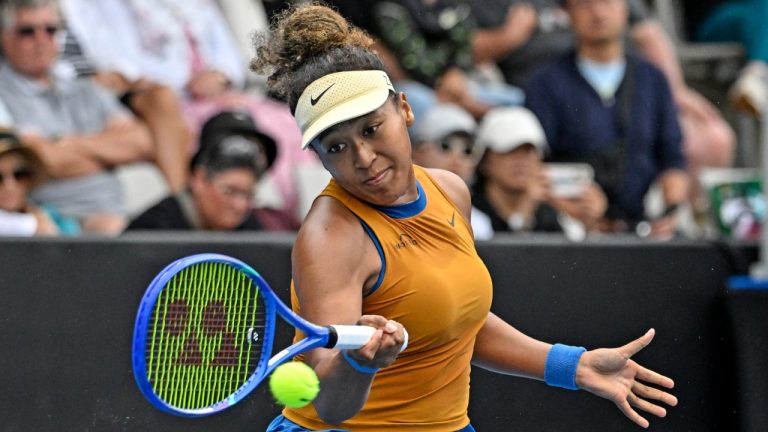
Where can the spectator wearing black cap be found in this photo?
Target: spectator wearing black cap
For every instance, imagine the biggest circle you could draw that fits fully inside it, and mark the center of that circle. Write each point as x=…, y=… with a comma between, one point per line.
x=224, y=173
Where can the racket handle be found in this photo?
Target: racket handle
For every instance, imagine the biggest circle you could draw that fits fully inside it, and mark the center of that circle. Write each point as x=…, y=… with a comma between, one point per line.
x=355, y=336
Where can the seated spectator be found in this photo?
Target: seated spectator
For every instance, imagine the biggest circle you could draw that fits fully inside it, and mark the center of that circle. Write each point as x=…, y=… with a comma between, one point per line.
x=530, y=33
x=512, y=187
x=445, y=139
x=80, y=131
x=613, y=110
x=233, y=155
x=155, y=104
x=737, y=21
x=427, y=48
x=20, y=171
x=191, y=50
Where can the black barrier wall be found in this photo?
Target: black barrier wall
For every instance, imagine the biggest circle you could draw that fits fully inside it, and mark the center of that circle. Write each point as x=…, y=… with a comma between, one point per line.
x=68, y=309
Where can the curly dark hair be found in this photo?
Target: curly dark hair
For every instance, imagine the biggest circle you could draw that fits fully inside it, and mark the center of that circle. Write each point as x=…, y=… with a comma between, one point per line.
x=307, y=42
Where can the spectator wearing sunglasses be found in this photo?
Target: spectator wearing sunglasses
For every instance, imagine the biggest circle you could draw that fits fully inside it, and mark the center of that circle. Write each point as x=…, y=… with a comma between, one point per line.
x=79, y=130
x=233, y=155
x=445, y=138
x=20, y=171
x=189, y=47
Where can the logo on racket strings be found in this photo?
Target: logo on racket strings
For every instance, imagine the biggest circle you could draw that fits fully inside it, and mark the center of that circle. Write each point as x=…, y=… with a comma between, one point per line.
x=206, y=335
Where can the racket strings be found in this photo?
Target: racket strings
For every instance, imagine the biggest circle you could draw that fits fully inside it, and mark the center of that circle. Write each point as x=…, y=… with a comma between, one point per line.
x=204, y=336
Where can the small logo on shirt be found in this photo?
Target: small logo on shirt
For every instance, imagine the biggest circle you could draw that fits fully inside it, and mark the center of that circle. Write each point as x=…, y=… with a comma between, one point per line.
x=314, y=100
x=452, y=220
x=405, y=241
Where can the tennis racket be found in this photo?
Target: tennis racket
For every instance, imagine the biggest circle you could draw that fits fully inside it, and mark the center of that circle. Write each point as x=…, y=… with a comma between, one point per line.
x=204, y=334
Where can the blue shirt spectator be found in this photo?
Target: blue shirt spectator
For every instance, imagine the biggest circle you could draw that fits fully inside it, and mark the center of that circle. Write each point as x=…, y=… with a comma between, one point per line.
x=579, y=123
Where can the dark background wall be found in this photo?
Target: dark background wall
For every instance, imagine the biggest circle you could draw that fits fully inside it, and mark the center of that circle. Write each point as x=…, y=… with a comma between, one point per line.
x=68, y=308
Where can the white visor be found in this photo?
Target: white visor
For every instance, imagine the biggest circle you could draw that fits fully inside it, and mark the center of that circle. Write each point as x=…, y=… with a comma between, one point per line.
x=338, y=97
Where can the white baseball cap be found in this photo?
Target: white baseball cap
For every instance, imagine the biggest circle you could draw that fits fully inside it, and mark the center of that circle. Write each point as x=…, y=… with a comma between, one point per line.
x=507, y=128
x=338, y=97
x=442, y=120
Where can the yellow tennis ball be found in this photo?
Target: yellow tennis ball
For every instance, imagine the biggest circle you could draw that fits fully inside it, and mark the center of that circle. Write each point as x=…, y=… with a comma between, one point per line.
x=294, y=384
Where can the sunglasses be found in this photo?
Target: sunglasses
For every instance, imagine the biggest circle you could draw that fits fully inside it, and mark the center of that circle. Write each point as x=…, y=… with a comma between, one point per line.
x=29, y=31
x=456, y=144
x=19, y=174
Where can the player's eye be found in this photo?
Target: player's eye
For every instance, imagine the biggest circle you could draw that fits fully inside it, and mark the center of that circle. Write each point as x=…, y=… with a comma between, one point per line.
x=370, y=130
x=336, y=148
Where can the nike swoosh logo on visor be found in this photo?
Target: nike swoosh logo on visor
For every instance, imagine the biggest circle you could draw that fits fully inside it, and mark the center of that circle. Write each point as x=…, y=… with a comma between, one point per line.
x=313, y=100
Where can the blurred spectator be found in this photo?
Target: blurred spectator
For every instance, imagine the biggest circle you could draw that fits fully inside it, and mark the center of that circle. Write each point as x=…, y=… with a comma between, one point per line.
x=427, y=48
x=741, y=21
x=183, y=44
x=155, y=104
x=20, y=171
x=615, y=111
x=232, y=157
x=79, y=130
x=532, y=32
x=512, y=187
x=188, y=46
x=445, y=139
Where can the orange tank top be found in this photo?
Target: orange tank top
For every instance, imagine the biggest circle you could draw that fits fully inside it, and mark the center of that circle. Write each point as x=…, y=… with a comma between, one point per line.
x=433, y=282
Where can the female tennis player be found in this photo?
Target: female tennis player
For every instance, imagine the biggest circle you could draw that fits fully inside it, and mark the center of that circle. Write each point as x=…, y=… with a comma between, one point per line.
x=389, y=244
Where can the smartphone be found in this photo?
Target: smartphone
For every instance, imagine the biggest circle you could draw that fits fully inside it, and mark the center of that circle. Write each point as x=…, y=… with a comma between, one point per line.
x=568, y=180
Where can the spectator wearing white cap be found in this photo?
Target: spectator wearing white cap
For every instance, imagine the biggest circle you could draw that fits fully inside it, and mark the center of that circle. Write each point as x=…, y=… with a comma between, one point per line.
x=512, y=187
x=445, y=138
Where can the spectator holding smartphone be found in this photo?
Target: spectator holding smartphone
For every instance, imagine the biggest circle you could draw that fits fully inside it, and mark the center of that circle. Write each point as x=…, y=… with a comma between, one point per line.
x=604, y=106
x=513, y=188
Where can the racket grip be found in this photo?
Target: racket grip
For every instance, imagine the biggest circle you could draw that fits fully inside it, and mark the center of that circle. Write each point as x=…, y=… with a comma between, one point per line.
x=355, y=336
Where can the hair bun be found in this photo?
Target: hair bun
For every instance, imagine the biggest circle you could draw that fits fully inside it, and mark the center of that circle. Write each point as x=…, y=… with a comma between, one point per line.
x=314, y=30
x=306, y=42
x=311, y=31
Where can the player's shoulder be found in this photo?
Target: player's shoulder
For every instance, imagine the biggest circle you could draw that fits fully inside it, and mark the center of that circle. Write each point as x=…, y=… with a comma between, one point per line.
x=329, y=222
x=446, y=179
x=453, y=185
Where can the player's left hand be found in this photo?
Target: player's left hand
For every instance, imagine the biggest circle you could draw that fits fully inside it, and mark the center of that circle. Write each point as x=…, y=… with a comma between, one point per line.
x=612, y=374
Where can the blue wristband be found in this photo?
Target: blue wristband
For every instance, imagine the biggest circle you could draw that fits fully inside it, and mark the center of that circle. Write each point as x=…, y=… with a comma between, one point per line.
x=357, y=366
x=560, y=368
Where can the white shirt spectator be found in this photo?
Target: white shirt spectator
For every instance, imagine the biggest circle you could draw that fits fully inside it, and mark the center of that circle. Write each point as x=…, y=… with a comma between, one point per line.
x=174, y=37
